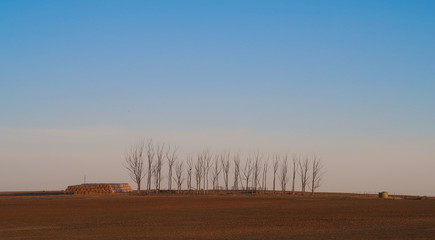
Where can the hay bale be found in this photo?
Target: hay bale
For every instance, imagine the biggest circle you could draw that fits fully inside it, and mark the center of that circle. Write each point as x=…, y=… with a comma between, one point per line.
x=98, y=188
x=383, y=195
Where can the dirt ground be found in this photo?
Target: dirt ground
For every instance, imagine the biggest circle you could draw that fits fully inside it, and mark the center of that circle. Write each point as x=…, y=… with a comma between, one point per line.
x=127, y=216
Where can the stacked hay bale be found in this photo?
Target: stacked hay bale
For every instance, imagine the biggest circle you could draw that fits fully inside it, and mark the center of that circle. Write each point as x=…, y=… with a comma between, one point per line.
x=120, y=187
x=98, y=188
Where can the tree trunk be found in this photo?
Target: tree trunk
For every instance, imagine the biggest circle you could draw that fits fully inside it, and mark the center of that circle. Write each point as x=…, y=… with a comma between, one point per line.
x=274, y=183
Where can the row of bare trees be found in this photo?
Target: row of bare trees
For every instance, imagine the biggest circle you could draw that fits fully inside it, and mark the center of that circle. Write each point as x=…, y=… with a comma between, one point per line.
x=147, y=159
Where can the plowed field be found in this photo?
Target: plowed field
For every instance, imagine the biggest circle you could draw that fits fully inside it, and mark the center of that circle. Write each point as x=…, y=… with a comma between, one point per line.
x=128, y=216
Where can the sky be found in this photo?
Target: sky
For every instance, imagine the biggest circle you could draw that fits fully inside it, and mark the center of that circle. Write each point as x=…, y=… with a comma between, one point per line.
x=352, y=82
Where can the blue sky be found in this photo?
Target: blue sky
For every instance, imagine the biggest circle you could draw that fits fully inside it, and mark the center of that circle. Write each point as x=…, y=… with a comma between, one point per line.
x=311, y=76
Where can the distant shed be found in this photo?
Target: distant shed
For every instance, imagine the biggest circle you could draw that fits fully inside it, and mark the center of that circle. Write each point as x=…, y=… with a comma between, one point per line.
x=98, y=188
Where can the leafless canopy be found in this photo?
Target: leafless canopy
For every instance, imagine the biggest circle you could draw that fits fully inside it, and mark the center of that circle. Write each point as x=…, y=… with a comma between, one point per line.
x=247, y=172
x=189, y=172
x=275, y=169
x=265, y=168
x=283, y=173
x=206, y=158
x=149, y=148
x=179, y=175
x=157, y=169
x=236, y=160
x=317, y=173
x=135, y=164
x=304, y=167
x=148, y=158
x=199, y=171
x=215, y=172
x=256, y=169
x=171, y=157
x=295, y=160
x=225, y=161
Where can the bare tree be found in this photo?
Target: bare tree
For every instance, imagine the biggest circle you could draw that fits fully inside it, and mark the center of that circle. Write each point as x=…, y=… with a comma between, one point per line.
x=199, y=171
x=316, y=176
x=247, y=172
x=256, y=167
x=265, y=168
x=135, y=164
x=156, y=170
x=150, y=156
x=215, y=173
x=171, y=157
x=179, y=175
x=304, y=167
x=283, y=174
x=206, y=156
x=275, y=169
x=189, y=172
x=158, y=166
x=225, y=161
x=295, y=160
x=236, y=160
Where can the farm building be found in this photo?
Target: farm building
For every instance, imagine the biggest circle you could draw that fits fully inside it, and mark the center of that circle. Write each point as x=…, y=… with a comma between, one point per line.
x=98, y=188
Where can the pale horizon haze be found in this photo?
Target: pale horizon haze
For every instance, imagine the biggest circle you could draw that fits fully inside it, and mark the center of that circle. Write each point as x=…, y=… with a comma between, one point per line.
x=352, y=82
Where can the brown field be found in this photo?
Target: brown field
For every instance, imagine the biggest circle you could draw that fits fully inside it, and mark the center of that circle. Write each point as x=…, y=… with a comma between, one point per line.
x=129, y=216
